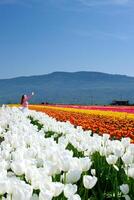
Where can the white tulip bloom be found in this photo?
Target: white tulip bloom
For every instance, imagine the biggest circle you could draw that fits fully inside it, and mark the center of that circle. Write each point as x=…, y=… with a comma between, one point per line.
x=4, y=185
x=6, y=154
x=130, y=172
x=58, y=188
x=3, y=165
x=63, y=141
x=32, y=176
x=18, y=194
x=45, y=195
x=118, y=150
x=73, y=176
x=125, y=142
x=65, y=163
x=105, y=137
x=75, y=163
x=70, y=190
x=111, y=159
x=128, y=158
x=89, y=181
x=75, y=197
x=20, y=190
x=3, y=174
x=85, y=163
x=51, y=168
x=124, y=188
x=18, y=167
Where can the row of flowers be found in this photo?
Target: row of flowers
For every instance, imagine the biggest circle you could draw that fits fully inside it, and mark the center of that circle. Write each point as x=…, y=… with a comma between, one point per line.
x=116, y=124
x=127, y=109
x=44, y=159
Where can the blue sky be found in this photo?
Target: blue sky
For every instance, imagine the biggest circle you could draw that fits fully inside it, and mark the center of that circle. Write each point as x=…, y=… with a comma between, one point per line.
x=42, y=36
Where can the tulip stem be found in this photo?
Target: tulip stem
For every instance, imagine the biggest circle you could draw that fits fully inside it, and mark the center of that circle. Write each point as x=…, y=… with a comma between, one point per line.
x=64, y=177
x=86, y=194
x=109, y=174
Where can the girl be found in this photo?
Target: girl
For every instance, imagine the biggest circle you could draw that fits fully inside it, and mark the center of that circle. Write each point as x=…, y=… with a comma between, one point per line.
x=24, y=101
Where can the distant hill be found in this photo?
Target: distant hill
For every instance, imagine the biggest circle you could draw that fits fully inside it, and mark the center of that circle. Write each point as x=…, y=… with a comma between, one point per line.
x=69, y=88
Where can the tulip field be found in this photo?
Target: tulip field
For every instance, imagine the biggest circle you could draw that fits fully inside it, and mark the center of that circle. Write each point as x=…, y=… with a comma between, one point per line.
x=116, y=121
x=57, y=155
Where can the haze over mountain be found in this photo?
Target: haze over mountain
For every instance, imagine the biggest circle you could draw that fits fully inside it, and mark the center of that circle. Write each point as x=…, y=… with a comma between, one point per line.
x=69, y=88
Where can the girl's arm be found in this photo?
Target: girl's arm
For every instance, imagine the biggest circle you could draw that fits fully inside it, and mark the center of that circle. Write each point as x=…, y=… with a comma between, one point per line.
x=29, y=97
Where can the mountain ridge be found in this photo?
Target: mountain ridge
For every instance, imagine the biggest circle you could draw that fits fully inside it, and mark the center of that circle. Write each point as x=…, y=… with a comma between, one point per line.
x=82, y=87
x=56, y=72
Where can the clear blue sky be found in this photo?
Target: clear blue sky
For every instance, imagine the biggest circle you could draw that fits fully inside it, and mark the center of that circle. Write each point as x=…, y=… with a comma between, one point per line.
x=42, y=36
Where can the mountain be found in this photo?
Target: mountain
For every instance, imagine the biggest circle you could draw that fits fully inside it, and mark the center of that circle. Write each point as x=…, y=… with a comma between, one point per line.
x=69, y=88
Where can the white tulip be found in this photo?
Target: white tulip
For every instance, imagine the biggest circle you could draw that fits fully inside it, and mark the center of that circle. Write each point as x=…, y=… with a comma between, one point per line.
x=45, y=195
x=18, y=193
x=3, y=186
x=18, y=167
x=63, y=141
x=6, y=154
x=105, y=137
x=128, y=158
x=124, y=188
x=125, y=142
x=73, y=176
x=58, y=188
x=111, y=159
x=65, y=163
x=89, y=181
x=85, y=163
x=52, y=168
x=70, y=190
x=75, y=197
x=130, y=172
x=118, y=150
x=30, y=173
x=4, y=165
